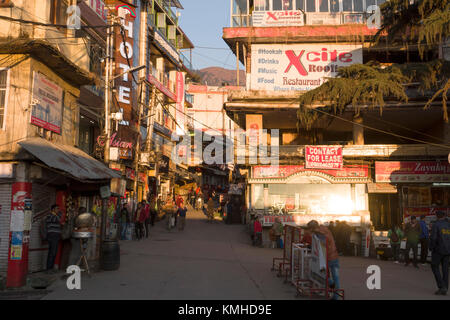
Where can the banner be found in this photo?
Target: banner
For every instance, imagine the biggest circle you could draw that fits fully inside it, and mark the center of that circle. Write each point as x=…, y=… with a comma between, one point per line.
x=294, y=67
x=265, y=172
x=323, y=157
x=412, y=171
x=47, y=103
x=319, y=260
x=278, y=18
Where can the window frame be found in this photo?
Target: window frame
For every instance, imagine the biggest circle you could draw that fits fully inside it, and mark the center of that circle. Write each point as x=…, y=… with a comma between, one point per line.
x=5, y=107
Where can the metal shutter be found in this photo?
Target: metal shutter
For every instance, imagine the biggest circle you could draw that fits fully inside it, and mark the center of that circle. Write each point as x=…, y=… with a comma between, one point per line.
x=43, y=198
x=5, y=214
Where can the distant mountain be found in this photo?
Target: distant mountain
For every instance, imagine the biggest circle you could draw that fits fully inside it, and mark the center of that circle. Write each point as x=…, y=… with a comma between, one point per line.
x=217, y=76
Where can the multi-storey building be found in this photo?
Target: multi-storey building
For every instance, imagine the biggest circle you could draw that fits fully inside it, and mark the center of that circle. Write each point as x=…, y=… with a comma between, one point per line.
x=392, y=165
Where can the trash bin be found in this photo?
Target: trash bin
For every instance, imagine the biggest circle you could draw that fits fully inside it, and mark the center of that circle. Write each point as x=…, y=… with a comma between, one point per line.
x=110, y=255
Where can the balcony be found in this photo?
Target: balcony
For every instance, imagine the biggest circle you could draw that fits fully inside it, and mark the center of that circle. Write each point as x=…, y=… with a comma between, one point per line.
x=164, y=5
x=186, y=61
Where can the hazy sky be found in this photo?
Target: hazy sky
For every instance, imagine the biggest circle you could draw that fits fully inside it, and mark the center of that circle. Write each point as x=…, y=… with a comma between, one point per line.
x=202, y=21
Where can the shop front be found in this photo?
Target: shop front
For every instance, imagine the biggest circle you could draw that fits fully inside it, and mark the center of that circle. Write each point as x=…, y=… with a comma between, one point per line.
x=295, y=194
x=423, y=186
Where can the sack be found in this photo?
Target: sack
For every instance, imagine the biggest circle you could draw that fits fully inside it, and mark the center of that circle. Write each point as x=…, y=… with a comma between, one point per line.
x=394, y=237
x=43, y=229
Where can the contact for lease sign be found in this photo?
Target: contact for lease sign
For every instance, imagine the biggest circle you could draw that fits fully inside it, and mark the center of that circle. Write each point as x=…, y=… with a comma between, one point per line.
x=278, y=67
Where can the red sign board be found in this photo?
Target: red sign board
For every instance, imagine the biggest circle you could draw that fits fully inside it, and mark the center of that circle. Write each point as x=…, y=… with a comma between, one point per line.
x=426, y=211
x=323, y=157
x=412, y=171
x=130, y=173
x=261, y=172
x=162, y=88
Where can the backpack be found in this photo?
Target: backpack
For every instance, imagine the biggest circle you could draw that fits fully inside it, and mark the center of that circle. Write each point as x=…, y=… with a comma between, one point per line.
x=394, y=237
x=43, y=229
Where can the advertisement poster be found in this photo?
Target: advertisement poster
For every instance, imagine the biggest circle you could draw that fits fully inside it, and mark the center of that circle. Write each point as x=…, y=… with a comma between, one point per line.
x=260, y=172
x=47, y=103
x=323, y=157
x=299, y=67
x=180, y=104
x=17, y=221
x=278, y=18
x=318, y=260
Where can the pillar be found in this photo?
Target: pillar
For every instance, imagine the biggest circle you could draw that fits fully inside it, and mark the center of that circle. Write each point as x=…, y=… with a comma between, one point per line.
x=358, y=131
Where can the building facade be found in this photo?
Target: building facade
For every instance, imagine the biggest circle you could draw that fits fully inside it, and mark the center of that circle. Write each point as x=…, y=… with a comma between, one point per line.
x=349, y=166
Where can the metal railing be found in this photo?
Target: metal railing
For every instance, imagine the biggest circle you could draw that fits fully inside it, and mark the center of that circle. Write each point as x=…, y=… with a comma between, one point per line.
x=186, y=61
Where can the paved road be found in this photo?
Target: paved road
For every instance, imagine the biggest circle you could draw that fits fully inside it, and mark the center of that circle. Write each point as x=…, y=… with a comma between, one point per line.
x=216, y=261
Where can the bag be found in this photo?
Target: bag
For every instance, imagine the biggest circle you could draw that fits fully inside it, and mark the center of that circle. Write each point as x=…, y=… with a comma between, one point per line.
x=394, y=237
x=43, y=229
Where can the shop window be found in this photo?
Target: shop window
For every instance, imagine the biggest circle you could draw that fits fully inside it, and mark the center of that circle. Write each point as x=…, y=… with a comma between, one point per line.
x=58, y=12
x=258, y=196
x=323, y=5
x=4, y=73
x=334, y=5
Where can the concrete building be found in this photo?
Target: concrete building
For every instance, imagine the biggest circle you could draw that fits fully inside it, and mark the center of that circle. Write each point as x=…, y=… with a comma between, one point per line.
x=288, y=48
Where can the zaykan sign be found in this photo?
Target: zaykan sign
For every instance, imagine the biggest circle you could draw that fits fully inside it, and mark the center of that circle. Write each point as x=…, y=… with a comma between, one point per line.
x=412, y=171
x=299, y=66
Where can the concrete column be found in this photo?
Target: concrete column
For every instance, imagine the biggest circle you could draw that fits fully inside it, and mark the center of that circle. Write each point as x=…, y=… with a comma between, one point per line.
x=358, y=131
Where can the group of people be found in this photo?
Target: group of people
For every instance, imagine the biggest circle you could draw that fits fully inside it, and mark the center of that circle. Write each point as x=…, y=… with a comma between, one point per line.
x=341, y=232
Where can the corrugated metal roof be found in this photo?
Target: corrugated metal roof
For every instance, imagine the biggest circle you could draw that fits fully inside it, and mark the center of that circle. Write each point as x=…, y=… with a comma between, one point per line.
x=69, y=159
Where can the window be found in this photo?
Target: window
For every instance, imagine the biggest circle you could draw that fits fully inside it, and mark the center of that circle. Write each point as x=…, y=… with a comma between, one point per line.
x=354, y=5
x=262, y=5
x=311, y=5
x=300, y=5
x=323, y=5
x=283, y=4
x=334, y=5
x=3, y=96
x=58, y=12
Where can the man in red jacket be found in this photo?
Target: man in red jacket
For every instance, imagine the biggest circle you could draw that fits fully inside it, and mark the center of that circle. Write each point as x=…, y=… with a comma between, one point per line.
x=332, y=253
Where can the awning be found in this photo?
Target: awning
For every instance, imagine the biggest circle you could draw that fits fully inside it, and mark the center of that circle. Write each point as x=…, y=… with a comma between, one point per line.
x=71, y=160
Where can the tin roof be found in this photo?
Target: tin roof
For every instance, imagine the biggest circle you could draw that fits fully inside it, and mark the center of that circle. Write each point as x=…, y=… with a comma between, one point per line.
x=71, y=160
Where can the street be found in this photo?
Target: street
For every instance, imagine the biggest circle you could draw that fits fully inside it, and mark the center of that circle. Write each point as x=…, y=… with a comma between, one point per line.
x=214, y=261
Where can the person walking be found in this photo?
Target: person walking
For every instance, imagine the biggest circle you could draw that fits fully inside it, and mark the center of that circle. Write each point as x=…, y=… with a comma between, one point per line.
x=257, y=228
x=54, y=223
x=277, y=228
x=412, y=234
x=395, y=236
x=332, y=253
x=424, y=240
x=138, y=220
x=153, y=209
x=440, y=251
x=210, y=209
x=181, y=212
x=146, y=208
x=125, y=220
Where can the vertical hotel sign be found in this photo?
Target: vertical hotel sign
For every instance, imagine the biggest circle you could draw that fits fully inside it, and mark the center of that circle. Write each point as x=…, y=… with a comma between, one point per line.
x=180, y=103
x=124, y=59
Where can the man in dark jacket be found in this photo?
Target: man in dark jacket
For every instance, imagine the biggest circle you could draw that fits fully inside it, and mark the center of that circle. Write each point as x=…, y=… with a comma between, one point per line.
x=412, y=232
x=424, y=240
x=440, y=248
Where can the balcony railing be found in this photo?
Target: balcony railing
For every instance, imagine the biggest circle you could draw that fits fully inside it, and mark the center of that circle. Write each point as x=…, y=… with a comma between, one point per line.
x=189, y=98
x=163, y=4
x=186, y=61
x=309, y=18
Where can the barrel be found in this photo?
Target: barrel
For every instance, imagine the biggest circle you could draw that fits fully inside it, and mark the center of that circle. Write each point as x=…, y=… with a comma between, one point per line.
x=110, y=255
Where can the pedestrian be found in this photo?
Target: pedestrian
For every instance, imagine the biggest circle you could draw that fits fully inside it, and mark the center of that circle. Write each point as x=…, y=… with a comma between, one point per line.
x=153, y=209
x=258, y=232
x=159, y=204
x=346, y=236
x=277, y=231
x=53, y=222
x=395, y=236
x=210, y=209
x=146, y=208
x=424, y=240
x=125, y=220
x=412, y=233
x=181, y=212
x=440, y=251
x=139, y=217
x=332, y=253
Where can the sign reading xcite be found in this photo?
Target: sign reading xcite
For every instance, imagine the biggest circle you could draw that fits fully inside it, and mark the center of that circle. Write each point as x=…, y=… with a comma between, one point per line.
x=299, y=67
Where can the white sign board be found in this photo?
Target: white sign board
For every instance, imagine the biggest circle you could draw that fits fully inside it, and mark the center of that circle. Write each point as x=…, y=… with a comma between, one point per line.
x=278, y=18
x=296, y=67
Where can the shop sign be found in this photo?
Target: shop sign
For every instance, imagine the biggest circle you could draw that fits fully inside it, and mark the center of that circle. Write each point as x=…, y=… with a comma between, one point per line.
x=47, y=102
x=6, y=170
x=130, y=173
x=124, y=59
x=270, y=220
x=324, y=157
x=180, y=104
x=412, y=171
x=293, y=67
x=381, y=188
x=278, y=18
x=161, y=87
x=277, y=172
x=426, y=211
x=142, y=177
